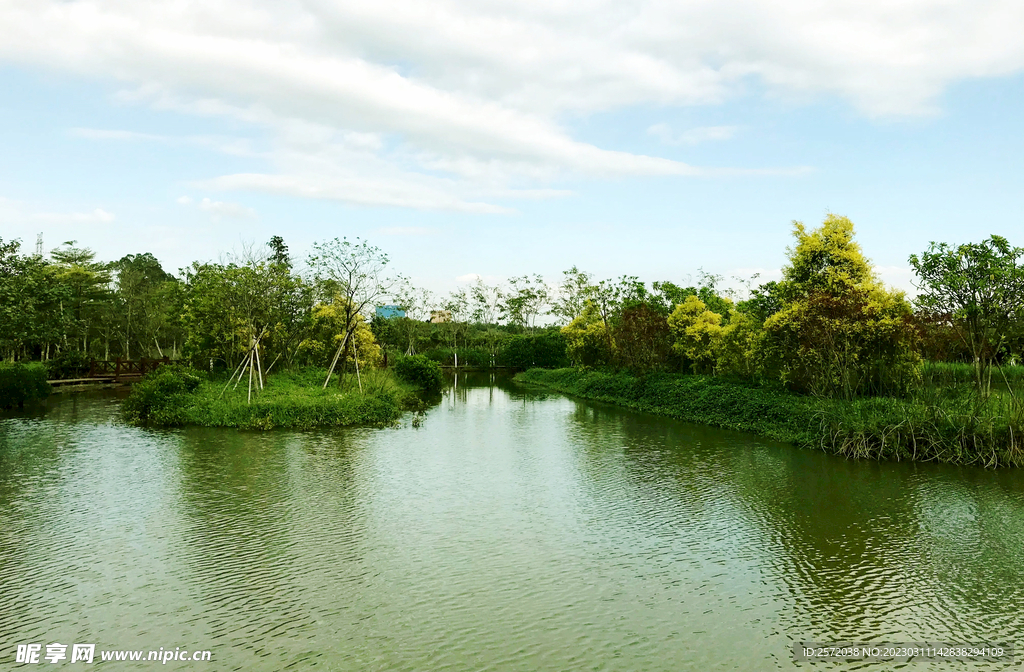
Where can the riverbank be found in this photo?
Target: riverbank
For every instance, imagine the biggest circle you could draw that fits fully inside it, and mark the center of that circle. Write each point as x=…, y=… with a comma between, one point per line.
x=947, y=426
x=289, y=400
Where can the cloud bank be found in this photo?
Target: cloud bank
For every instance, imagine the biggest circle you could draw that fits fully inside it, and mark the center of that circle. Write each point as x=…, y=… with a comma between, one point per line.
x=457, y=105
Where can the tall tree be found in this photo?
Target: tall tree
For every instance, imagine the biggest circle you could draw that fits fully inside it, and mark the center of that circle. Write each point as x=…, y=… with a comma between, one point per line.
x=980, y=287
x=840, y=331
x=88, y=282
x=356, y=272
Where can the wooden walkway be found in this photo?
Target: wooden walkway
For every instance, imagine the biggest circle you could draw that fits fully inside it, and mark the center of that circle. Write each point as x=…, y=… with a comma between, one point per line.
x=98, y=380
x=120, y=371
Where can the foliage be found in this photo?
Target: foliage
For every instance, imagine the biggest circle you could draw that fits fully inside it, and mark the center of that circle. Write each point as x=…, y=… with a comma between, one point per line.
x=353, y=271
x=477, y=358
x=839, y=332
x=20, y=383
x=699, y=335
x=586, y=338
x=980, y=287
x=421, y=372
x=293, y=399
x=737, y=344
x=643, y=338
x=959, y=374
x=327, y=333
x=68, y=364
x=162, y=397
x=573, y=295
x=525, y=301
x=545, y=350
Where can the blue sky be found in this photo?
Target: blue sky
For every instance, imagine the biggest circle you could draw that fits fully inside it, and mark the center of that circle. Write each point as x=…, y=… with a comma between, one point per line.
x=507, y=138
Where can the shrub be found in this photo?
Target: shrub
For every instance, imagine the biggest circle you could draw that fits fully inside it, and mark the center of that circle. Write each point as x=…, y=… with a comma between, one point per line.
x=22, y=382
x=162, y=397
x=545, y=351
x=68, y=364
x=420, y=371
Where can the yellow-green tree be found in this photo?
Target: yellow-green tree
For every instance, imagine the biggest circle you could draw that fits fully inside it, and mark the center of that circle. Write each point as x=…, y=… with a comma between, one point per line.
x=840, y=331
x=698, y=334
x=737, y=345
x=587, y=338
x=328, y=333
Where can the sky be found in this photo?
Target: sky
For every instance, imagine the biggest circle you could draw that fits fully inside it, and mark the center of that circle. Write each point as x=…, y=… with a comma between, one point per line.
x=495, y=138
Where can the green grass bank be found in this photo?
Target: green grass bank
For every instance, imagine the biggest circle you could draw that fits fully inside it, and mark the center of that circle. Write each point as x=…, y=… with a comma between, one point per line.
x=948, y=425
x=177, y=396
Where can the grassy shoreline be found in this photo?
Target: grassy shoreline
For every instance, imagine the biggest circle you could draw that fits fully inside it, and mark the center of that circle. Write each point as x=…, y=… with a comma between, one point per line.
x=290, y=400
x=952, y=428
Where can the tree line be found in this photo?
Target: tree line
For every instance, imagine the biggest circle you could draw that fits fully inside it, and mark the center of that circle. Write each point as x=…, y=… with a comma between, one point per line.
x=829, y=327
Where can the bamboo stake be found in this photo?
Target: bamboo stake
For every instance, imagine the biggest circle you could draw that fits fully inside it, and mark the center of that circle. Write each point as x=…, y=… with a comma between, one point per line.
x=334, y=362
x=256, y=351
x=355, y=354
x=247, y=362
x=231, y=378
x=249, y=400
x=272, y=363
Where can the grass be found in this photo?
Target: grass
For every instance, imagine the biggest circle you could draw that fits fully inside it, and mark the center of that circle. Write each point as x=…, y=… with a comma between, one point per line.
x=290, y=399
x=961, y=373
x=943, y=424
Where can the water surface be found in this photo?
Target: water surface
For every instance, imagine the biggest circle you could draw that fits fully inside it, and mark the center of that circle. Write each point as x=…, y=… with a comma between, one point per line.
x=512, y=530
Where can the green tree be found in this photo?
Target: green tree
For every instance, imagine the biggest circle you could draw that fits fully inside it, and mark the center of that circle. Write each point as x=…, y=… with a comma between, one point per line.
x=980, y=287
x=839, y=332
x=88, y=284
x=141, y=313
x=698, y=334
x=355, y=271
x=31, y=301
x=587, y=342
x=525, y=301
x=573, y=294
x=643, y=337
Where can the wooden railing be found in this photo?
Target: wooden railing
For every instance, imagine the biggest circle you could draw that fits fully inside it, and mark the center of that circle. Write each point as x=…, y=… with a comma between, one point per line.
x=99, y=368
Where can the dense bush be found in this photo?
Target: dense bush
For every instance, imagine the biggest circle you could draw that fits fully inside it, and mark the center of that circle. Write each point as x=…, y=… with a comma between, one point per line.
x=22, y=382
x=162, y=397
x=68, y=364
x=545, y=350
x=420, y=371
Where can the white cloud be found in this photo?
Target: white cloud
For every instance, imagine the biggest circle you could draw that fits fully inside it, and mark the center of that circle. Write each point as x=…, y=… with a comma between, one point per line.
x=221, y=209
x=359, y=191
x=692, y=136
x=468, y=277
x=900, y=277
x=97, y=215
x=452, y=104
x=228, y=145
x=184, y=200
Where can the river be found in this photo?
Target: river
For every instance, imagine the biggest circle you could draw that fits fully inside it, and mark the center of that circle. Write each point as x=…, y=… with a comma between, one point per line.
x=511, y=530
